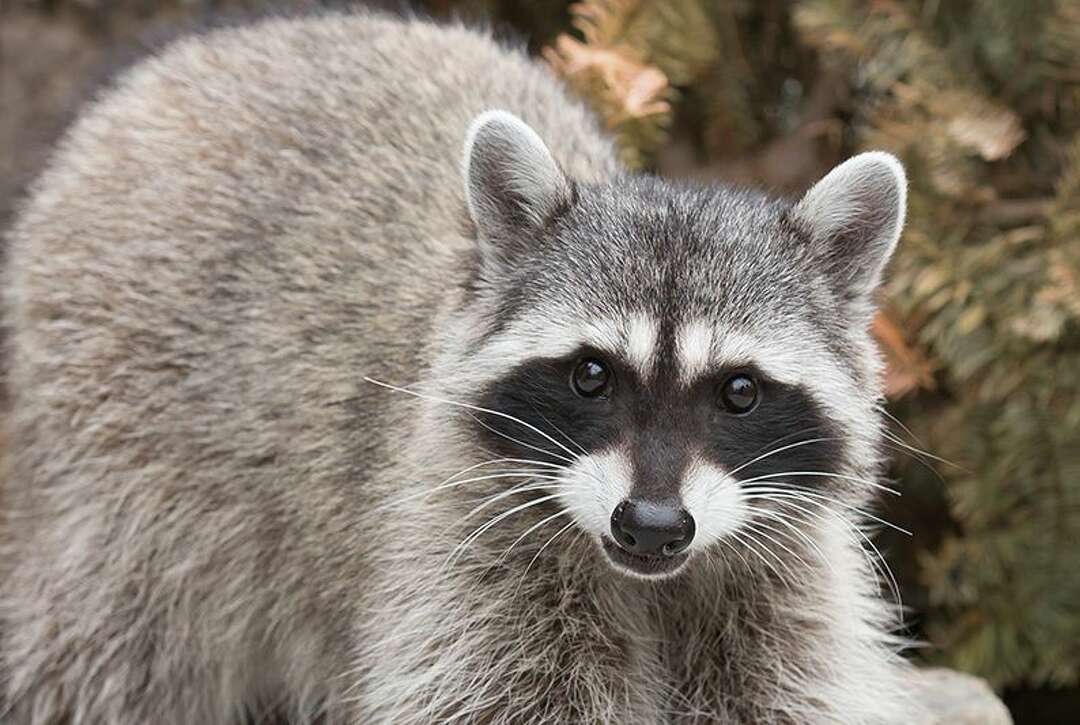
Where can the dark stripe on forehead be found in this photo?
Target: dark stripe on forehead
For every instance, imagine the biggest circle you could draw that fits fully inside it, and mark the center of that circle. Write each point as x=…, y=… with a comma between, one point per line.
x=660, y=440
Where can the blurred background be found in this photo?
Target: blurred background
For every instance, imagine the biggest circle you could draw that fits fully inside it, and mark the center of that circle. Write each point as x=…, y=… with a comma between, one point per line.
x=981, y=316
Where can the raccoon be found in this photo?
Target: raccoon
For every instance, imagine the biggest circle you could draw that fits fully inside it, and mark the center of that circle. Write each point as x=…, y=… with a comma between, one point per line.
x=316, y=416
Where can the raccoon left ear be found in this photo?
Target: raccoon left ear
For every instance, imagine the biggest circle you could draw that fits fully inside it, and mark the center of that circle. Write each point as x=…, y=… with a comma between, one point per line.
x=853, y=217
x=511, y=179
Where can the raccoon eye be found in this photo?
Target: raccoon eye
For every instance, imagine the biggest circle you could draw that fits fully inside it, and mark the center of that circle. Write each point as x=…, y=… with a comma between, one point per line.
x=590, y=378
x=739, y=394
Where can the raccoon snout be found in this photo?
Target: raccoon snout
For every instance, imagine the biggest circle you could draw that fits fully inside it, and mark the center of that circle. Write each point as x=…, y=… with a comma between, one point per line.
x=652, y=528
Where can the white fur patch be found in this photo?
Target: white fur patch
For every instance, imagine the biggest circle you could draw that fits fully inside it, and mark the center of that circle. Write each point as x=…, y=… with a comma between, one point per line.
x=694, y=349
x=605, y=335
x=598, y=483
x=782, y=362
x=642, y=338
x=636, y=341
x=548, y=339
x=715, y=501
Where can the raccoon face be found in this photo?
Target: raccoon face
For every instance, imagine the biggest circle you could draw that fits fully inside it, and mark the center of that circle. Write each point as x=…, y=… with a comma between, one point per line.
x=690, y=367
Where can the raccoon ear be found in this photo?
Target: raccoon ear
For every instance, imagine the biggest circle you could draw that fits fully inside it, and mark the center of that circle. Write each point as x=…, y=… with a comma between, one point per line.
x=853, y=217
x=511, y=178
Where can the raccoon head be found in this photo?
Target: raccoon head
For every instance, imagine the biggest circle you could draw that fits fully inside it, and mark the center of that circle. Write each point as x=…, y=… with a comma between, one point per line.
x=688, y=366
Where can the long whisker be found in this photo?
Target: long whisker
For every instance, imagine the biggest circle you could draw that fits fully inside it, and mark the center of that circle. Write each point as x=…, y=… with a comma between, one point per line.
x=880, y=407
x=476, y=534
x=484, y=527
x=556, y=535
x=880, y=564
x=781, y=449
x=520, y=442
x=724, y=542
x=584, y=453
x=894, y=586
x=894, y=443
x=467, y=406
x=452, y=483
x=823, y=474
x=534, y=527
x=786, y=520
x=529, y=446
x=530, y=461
x=560, y=431
x=787, y=436
x=598, y=478
x=919, y=451
x=746, y=544
x=529, y=486
x=883, y=570
x=595, y=477
x=794, y=491
x=762, y=525
x=751, y=533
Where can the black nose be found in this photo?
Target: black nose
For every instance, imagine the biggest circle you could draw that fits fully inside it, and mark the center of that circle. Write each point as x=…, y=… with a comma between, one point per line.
x=650, y=527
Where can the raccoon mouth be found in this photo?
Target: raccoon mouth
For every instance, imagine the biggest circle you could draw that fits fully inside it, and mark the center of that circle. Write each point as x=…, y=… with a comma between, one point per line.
x=648, y=566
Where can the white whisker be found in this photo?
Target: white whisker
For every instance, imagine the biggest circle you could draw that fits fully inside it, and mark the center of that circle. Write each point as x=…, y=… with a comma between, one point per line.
x=794, y=490
x=477, y=533
x=528, y=531
x=520, y=442
x=750, y=540
x=451, y=483
x=883, y=569
x=781, y=449
x=759, y=524
x=724, y=542
x=823, y=474
x=467, y=406
x=527, y=486
x=786, y=520
x=556, y=535
x=558, y=430
x=585, y=454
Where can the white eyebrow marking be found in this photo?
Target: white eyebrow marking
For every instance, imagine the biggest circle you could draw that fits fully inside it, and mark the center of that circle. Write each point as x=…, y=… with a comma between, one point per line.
x=548, y=339
x=603, y=334
x=702, y=347
x=781, y=362
x=694, y=347
x=642, y=333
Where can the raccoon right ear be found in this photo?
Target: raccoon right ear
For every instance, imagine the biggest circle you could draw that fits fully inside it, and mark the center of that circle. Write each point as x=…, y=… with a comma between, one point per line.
x=511, y=179
x=853, y=218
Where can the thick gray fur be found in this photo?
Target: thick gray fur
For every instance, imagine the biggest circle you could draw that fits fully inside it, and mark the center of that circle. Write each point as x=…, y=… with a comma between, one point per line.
x=207, y=509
